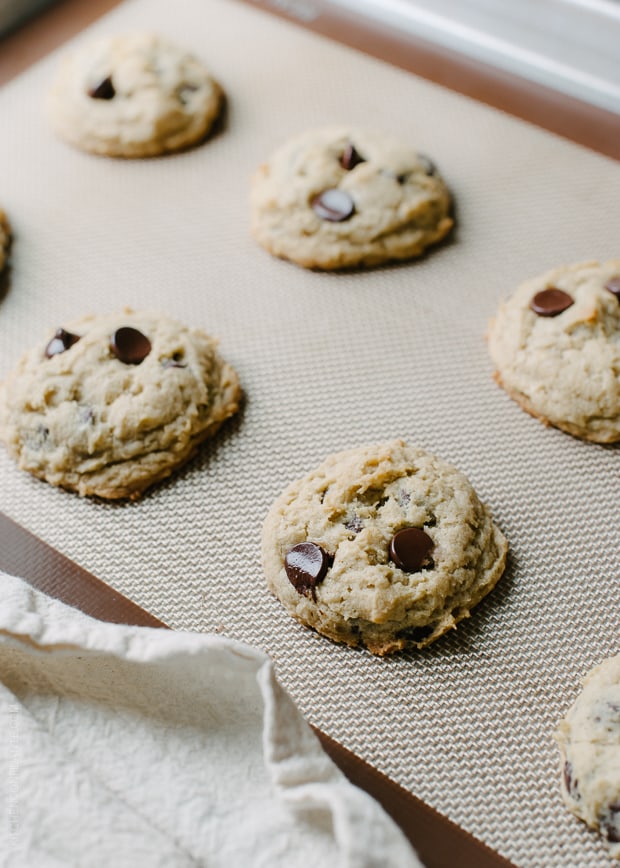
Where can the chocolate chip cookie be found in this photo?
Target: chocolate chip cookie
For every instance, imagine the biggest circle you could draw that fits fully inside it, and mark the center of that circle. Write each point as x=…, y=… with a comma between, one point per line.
x=556, y=348
x=133, y=95
x=341, y=197
x=589, y=740
x=385, y=546
x=108, y=405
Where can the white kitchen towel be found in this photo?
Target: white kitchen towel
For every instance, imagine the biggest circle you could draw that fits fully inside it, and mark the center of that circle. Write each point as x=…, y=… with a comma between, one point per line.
x=132, y=746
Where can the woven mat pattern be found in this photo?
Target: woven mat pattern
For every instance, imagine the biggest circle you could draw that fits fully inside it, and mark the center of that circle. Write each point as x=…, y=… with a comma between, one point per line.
x=329, y=362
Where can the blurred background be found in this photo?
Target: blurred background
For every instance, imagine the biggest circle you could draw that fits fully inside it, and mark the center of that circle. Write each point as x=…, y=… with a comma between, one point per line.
x=572, y=46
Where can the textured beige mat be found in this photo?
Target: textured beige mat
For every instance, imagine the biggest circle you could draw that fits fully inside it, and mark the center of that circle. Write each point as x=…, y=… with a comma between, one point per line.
x=329, y=362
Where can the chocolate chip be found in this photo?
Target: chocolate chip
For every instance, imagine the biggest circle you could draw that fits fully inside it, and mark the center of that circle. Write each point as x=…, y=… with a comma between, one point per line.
x=61, y=342
x=613, y=286
x=427, y=164
x=306, y=565
x=410, y=549
x=129, y=345
x=551, y=302
x=351, y=157
x=334, y=205
x=104, y=90
x=610, y=824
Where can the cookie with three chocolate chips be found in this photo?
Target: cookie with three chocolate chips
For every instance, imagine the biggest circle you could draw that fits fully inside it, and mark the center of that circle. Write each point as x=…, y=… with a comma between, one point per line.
x=589, y=742
x=340, y=197
x=108, y=405
x=556, y=348
x=384, y=546
x=133, y=95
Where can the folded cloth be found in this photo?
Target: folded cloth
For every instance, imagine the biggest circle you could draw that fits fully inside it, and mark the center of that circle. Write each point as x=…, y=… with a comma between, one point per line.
x=132, y=746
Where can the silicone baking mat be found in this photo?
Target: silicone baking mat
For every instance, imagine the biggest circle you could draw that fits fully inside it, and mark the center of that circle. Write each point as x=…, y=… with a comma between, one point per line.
x=330, y=361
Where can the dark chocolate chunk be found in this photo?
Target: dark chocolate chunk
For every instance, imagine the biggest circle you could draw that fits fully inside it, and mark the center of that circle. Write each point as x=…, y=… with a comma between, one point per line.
x=104, y=90
x=306, y=565
x=613, y=286
x=551, y=302
x=334, y=205
x=129, y=345
x=410, y=549
x=61, y=342
x=351, y=157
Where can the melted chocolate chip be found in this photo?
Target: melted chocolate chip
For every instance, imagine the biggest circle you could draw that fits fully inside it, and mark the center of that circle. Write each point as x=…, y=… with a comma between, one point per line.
x=351, y=157
x=551, y=302
x=334, y=205
x=61, y=342
x=613, y=286
x=129, y=345
x=104, y=90
x=410, y=549
x=306, y=565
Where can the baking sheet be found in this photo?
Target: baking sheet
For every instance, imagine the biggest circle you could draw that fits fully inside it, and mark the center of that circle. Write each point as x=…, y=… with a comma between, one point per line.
x=329, y=362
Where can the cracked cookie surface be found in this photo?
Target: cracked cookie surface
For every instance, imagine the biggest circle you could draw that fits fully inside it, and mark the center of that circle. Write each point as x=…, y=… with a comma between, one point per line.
x=111, y=404
x=350, y=508
x=133, y=95
x=340, y=197
x=589, y=741
x=556, y=348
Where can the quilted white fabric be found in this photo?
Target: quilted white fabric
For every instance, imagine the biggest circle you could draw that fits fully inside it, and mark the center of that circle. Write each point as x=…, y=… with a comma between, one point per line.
x=131, y=746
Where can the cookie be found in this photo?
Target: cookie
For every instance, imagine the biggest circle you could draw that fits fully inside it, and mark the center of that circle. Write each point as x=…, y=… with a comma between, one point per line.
x=589, y=741
x=556, y=348
x=133, y=95
x=108, y=405
x=340, y=197
x=5, y=239
x=385, y=546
